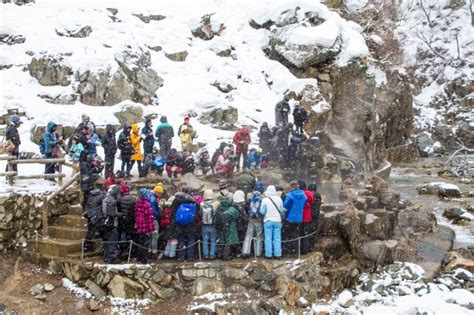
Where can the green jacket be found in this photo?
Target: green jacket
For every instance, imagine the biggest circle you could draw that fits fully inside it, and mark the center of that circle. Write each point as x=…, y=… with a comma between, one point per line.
x=229, y=234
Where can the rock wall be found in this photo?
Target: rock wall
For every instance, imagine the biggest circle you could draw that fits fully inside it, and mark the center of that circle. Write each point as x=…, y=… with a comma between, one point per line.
x=283, y=280
x=21, y=215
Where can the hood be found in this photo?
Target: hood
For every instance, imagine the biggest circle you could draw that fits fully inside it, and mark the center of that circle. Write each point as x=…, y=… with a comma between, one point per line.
x=109, y=129
x=126, y=126
x=50, y=126
x=135, y=128
x=163, y=119
x=271, y=191
x=259, y=187
x=209, y=195
x=302, y=184
x=239, y=196
x=225, y=203
x=222, y=146
x=114, y=191
x=298, y=194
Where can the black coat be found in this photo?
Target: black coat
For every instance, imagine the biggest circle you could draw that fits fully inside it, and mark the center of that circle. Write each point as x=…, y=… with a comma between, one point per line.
x=164, y=133
x=13, y=135
x=149, y=140
x=109, y=143
x=126, y=206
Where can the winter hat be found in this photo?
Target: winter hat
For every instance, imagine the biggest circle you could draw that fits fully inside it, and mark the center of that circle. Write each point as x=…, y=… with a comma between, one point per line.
x=209, y=195
x=294, y=184
x=259, y=187
x=90, y=128
x=186, y=190
x=142, y=192
x=245, y=130
x=163, y=119
x=222, y=184
x=158, y=188
x=85, y=117
x=16, y=119
x=239, y=196
x=302, y=184
x=124, y=188
x=313, y=187
x=115, y=190
x=186, y=118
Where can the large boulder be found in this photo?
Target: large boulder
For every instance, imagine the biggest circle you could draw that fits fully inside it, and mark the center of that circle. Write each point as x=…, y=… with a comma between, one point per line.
x=319, y=111
x=129, y=114
x=441, y=189
x=37, y=132
x=417, y=219
x=50, y=70
x=207, y=30
x=221, y=118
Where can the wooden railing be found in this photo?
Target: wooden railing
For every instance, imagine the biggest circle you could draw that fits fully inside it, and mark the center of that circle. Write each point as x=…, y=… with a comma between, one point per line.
x=12, y=176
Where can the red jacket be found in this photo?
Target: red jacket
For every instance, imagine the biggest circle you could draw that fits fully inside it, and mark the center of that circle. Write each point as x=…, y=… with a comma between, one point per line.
x=242, y=141
x=144, y=216
x=307, y=217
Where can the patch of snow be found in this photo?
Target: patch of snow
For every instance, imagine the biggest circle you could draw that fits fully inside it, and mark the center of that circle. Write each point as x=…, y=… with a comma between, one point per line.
x=354, y=6
x=74, y=288
x=323, y=35
x=127, y=306
x=379, y=75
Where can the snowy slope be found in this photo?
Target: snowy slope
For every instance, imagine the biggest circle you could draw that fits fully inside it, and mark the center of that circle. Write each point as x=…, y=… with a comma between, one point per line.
x=187, y=85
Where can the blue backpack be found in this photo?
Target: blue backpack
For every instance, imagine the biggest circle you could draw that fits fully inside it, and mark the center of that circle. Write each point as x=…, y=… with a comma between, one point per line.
x=42, y=146
x=186, y=213
x=255, y=203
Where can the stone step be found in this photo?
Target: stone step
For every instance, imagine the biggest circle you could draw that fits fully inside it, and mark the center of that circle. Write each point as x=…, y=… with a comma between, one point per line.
x=70, y=220
x=67, y=233
x=55, y=247
x=75, y=210
x=79, y=255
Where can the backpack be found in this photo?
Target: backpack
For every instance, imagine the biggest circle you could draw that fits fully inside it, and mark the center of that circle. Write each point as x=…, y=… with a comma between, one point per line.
x=42, y=147
x=186, y=213
x=207, y=213
x=220, y=221
x=94, y=210
x=166, y=216
x=255, y=203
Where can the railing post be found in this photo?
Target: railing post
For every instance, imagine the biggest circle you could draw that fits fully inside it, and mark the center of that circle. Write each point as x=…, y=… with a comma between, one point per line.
x=45, y=216
x=199, y=250
x=60, y=171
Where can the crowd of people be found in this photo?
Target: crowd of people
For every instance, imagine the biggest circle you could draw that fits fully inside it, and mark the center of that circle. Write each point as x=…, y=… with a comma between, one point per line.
x=227, y=224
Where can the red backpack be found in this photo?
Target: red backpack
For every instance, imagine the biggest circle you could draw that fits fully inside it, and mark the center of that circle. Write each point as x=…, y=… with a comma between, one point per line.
x=166, y=217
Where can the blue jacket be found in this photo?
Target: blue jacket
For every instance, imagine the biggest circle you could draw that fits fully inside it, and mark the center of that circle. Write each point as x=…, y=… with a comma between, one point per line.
x=92, y=144
x=150, y=196
x=294, y=204
x=49, y=138
x=254, y=158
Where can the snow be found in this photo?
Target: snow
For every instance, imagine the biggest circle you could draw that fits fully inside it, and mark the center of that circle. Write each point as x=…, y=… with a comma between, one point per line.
x=323, y=35
x=74, y=288
x=378, y=74
x=355, y=6
x=127, y=306
x=443, y=185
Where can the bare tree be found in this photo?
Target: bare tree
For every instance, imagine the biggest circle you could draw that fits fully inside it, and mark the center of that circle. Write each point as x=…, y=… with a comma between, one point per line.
x=429, y=43
x=428, y=12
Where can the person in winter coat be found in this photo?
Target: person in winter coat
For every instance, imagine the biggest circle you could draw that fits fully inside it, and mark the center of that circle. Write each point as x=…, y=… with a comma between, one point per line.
x=271, y=209
x=227, y=232
x=110, y=230
x=219, y=151
x=242, y=141
x=315, y=211
x=255, y=158
x=185, y=232
x=282, y=110
x=109, y=143
x=167, y=229
x=255, y=223
x=208, y=230
x=51, y=141
x=153, y=197
x=135, y=140
x=75, y=151
x=88, y=177
x=265, y=138
x=202, y=162
x=144, y=225
x=307, y=224
x=158, y=163
x=85, y=123
x=11, y=133
x=187, y=162
x=241, y=205
x=173, y=164
x=187, y=134
x=294, y=149
x=245, y=182
x=126, y=206
x=93, y=214
x=164, y=135
x=300, y=117
x=93, y=141
x=294, y=205
x=225, y=163
x=148, y=138
x=126, y=149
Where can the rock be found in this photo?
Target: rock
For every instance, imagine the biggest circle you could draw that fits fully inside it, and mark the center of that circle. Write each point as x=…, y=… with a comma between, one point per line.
x=379, y=251
x=37, y=289
x=129, y=114
x=40, y=297
x=93, y=305
x=262, y=275
x=48, y=287
x=221, y=118
x=204, y=285
x=457, y=261
x=147, y=18
x=288, y=289
x=303, y=303
x=10, y=39
x=223, y=87
x=372, y=225
x=125, y=288
x=345, y=299
x=349, y=231
x=404, y=291
x=453, y=213
x=50, y=70
x=463, y=274
x=62, y=99
x=319, y=111
x=76, y=32
x=162, y=293
x=95, y=290
x=207, y=30
x=419, y=220
x=177, y=56
x=442, y=189
x=192, y=182
x=235, y=274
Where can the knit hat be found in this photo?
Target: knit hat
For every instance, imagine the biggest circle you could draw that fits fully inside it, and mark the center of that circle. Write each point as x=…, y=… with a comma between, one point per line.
x=163, y=119
x=16, y=119
x=301, y=184
x=294, y=184
x=124, y=188
x=209, y=195
x=158, y=188
x=239, y=196
x=142, y=192
x=222, y=184
x=259, y=187
x=186, y=118
x=313, y=186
